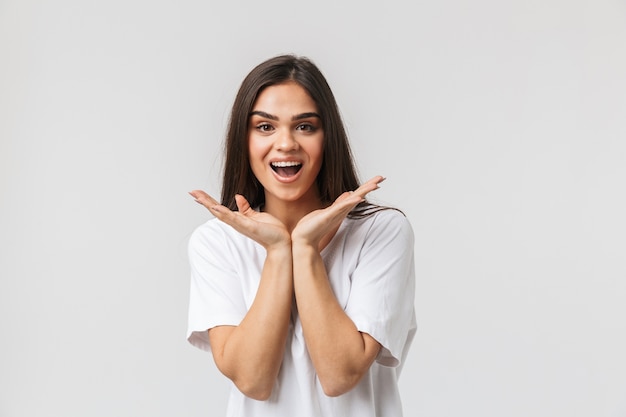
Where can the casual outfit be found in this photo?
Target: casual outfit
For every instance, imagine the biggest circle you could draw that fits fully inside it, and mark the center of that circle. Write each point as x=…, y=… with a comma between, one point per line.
x=371, y=270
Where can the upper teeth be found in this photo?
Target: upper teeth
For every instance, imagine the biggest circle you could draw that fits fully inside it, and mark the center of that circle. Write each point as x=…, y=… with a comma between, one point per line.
x=285, y=164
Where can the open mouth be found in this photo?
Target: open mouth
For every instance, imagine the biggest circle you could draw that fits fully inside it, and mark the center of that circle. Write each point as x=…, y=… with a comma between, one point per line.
x=286, y=168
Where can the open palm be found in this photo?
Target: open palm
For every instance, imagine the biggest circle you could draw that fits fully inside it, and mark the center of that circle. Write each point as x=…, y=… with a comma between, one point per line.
x=312, y=228
x=263, y=228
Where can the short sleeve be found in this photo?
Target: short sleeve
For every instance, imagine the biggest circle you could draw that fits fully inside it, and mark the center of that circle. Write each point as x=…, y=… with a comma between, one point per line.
x=382, y=294
x=215, y=296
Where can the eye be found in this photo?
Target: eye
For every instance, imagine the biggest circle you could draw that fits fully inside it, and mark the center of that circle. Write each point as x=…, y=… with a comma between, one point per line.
x=306, y=127
x=264, y=127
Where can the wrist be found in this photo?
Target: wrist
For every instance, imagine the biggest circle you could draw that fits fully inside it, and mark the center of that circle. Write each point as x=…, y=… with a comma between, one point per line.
x=279, y=247
x=302, y=248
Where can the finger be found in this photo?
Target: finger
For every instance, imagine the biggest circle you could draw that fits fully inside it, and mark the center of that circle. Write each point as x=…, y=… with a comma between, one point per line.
x=369, y=186
x=376, y=179
x=203, y=198
x=345, y=202
x=242, y=204
x=239, y=219
x=373, y=182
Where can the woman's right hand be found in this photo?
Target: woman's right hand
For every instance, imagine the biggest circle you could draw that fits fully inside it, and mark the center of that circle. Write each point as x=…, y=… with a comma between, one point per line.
x=263, y=228
x=250, y=354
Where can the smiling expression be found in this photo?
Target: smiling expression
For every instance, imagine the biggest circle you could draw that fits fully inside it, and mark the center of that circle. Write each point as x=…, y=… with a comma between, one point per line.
x=285, y=144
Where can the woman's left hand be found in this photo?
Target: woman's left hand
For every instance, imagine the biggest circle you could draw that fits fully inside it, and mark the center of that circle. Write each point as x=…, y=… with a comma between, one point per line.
x=313, y=227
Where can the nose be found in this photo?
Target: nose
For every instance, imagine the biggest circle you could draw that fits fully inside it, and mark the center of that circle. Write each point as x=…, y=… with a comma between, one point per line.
x=285, y=141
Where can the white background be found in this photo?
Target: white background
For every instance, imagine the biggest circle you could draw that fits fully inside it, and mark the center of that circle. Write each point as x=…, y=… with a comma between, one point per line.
x=501, y=127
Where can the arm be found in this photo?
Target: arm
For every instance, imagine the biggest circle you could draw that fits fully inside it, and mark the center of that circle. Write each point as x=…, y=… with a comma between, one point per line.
x=250, y=354
x=340, y=353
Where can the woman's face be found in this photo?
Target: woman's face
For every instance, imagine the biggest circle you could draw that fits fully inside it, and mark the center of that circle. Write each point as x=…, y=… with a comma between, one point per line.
x=285, y=144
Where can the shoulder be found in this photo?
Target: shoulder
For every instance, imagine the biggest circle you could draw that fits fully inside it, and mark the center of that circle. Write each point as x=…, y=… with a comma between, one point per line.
x=383, y=228
x=214, y=235
x=384, y=220
x=206, y=232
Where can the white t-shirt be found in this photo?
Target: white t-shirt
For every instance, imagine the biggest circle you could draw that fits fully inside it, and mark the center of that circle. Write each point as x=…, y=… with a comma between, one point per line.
x=370, y=266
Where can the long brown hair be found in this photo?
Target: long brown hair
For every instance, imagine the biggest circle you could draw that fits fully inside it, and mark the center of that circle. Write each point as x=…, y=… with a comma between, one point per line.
x=337, y=173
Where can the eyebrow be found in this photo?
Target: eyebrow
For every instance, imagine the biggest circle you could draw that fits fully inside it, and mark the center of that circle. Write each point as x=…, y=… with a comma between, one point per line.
x=296, y=117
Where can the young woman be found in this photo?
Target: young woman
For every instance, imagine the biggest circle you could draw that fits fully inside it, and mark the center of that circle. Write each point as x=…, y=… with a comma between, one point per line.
x=301, y=289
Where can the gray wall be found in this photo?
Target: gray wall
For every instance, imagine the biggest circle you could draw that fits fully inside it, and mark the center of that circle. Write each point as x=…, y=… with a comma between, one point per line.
x=501, y=129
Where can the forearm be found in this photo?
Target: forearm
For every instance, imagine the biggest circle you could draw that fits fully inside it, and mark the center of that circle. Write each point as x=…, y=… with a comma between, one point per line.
x=340, y=353
x=251, y=353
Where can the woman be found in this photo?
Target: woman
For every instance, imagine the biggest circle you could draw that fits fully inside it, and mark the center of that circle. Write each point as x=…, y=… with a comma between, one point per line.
x=301, y=289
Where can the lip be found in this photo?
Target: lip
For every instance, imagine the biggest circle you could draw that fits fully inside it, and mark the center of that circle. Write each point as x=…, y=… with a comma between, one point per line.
x=271, y=161
x=286, y=180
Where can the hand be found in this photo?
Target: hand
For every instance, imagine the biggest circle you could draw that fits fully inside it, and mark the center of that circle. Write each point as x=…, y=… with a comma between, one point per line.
x=263, y=228
x=316, y=225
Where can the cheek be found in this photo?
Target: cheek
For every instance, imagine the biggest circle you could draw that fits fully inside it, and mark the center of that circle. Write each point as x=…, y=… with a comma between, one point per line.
x=316, y=152
x=256, y=149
